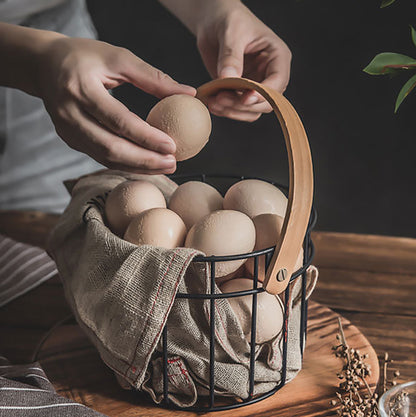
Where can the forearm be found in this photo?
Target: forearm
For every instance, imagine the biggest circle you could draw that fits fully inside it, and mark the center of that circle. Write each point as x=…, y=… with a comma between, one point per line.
x=192, y=12
x=21, y=48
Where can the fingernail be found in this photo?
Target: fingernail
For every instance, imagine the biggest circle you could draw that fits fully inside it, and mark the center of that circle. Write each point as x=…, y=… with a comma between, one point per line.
x=168, y=161
x=228, y=72
x=189, y=89
x=168, y=147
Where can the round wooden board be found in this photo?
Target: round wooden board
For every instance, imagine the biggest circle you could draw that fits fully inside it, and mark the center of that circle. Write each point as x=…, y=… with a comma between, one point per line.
x=75, y=369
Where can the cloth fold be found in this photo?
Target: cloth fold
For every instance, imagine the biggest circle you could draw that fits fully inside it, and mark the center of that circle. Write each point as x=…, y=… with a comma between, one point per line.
x=123, y=295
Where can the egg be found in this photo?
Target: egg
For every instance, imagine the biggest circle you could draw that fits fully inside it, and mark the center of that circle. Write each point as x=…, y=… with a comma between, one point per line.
x=269, y=310
x=193, y=200
x=157, y=227
x=268, y=230
x=223, y=232
x=240, y=272
x=186, y=120
x=254, y=197
x=129, y=199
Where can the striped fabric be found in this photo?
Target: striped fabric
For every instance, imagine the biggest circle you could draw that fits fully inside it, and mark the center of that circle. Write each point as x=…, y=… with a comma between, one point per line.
x=25, y=391
x=22, y=267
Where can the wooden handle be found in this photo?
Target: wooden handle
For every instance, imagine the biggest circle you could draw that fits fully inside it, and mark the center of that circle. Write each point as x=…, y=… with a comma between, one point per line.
x=300, y=179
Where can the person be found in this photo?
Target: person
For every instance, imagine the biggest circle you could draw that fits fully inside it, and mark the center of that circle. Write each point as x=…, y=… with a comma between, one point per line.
x=56, y=81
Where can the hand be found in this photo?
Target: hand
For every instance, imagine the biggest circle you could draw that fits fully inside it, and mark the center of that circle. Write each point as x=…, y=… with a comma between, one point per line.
x=234, y=43
x=73, y=80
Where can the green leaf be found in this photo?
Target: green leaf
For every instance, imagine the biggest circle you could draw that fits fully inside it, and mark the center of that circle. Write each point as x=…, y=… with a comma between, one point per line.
x=389, y=63
x=413, y=31
x=405, y=91
x=386, y=3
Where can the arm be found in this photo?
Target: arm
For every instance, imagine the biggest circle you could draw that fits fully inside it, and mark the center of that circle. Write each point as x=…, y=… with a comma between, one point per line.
x=72, y=76
x=234, y=43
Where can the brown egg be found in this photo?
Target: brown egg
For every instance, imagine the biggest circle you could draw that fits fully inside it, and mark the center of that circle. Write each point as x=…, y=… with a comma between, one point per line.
x=157, y=227
x=193, y=200
x=186, y=120
x=223, y=232
x=129, y=199
x=254, y=197
x=269, y=310
x=240, y=272
x=268, y=230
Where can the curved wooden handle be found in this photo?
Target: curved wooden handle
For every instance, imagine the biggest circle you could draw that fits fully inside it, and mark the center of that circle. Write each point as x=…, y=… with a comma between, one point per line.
x=300, y=179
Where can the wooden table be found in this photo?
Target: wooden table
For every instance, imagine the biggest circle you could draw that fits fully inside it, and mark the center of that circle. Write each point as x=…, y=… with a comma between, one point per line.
x=370, y=280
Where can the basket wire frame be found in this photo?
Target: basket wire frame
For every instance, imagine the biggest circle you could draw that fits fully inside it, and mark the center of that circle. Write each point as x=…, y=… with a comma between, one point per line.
x=212, y=296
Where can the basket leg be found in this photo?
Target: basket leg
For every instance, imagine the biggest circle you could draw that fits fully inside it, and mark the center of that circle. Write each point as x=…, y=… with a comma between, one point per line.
x=253, y=329
x=212, y=340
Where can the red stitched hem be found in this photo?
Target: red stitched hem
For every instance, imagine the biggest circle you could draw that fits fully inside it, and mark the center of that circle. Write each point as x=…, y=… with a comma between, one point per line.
x=171, y=302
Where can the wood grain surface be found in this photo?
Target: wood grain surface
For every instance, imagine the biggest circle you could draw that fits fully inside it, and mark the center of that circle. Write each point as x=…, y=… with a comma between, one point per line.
x=370, y=280
x=77, y=372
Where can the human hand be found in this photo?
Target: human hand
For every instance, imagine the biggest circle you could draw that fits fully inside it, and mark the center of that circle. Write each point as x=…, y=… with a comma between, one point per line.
x=235, y=43
x=73, y=80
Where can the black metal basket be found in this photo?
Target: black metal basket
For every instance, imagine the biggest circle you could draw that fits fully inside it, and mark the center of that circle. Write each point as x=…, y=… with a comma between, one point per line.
x=209, y=403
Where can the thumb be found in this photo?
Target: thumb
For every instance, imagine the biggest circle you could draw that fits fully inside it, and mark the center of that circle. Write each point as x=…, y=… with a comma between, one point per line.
x=230, y=58
x=152, y=80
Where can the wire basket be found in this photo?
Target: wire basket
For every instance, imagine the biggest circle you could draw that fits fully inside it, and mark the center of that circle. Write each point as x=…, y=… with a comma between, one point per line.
x=299, y=220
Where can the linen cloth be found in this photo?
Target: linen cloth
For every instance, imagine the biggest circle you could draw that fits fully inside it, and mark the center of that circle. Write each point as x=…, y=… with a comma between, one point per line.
x=123, y=295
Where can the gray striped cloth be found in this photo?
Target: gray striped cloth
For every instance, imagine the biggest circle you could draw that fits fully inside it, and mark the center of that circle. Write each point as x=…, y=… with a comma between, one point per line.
x=25, y=391
x=22, y=267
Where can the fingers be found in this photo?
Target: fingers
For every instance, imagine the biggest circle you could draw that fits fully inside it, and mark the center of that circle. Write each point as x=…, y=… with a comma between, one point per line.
x=237, y=114
x=85, y=134
x=149, y=79
x=278, y=69
x=241, y=102
x=231, y=104
x=230, y=55
x=116, y=117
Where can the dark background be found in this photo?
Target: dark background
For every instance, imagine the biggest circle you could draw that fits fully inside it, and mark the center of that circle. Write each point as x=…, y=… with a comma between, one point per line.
x=364, y=155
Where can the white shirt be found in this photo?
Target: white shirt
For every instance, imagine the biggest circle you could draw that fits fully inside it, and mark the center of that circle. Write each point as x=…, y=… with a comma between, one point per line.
x=16, y=11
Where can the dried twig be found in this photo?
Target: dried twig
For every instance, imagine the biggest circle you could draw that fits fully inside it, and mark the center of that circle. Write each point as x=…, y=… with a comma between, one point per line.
x=352, y=403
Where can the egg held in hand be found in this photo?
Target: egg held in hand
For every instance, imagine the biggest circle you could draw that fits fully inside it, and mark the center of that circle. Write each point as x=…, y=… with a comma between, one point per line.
x=268, y=231
x=223, y=232
x=254, y=197
x=193, y=200
x=157, y=227
x=129, y=199
x=186, y=120
x=269, y=310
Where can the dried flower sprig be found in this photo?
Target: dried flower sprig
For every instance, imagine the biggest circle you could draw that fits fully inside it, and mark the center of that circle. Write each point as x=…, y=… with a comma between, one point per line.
x=352, y=402
x=353, y=376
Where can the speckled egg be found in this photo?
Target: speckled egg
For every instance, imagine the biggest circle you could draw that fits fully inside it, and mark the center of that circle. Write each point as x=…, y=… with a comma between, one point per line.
x=157, y=227
x=186, y=120
x=129, y=199
x=193, y=200
x=254, y=197
x=269, y=310
x=223, y=232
